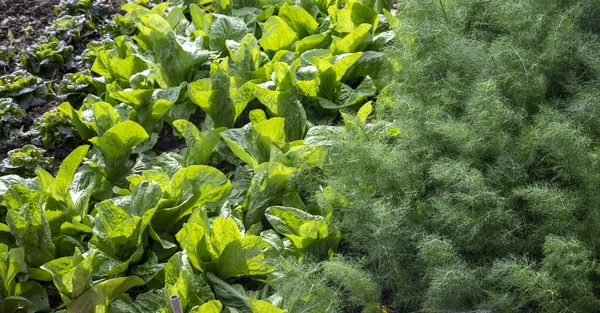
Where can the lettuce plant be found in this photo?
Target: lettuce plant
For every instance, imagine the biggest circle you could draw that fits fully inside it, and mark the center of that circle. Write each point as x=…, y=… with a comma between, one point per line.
x=48, y=57
x=71, y=28
x=120, y=229
x=223, y=249
x=114, y=65
x=11, y=118
x=54, y=128
x=149, y=104
x=310, y=234
x=115, y=146
x=25, y=89
x=16, y=293
x=200, y=145
x=94, y=117
x=73, y=278
x=91, y=9
x=29, y=225
x=190, y=188
x=75, y=87
x=284, y=100
x=6, y=58
x=221, y=96
x=24, y=161
x=59, y=192
x=86, y=59
x=173, y=58
x=327, y=89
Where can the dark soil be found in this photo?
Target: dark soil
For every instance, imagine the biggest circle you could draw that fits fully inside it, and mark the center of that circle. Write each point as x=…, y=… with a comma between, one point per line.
x=25, y=19
x=168, y=142
x=53, y=295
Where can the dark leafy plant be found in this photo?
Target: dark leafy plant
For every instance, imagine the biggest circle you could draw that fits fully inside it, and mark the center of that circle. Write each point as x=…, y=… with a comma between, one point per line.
x=48, y=57
x=75, y=87
x=55, y=128
x=93, y=10
x=25, y=89
x=88, y=56
x=24, y=161
x=7, y=56
x=11, y=118
x=69, y=28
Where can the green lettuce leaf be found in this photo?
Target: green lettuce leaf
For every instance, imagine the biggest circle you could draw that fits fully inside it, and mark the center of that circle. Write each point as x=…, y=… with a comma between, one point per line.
x=190, y=187
x=270, y=181
x=99, y=298
x=180, y=280
x=225, y=28
x=56, y=189
x=278, y=35
x=221, y=96
x=299, y=19
x=253, y=143
x=29, y=225
x=283, y=101
x=199, y=146
x=150, y=104
x=116, y=145
x=120, y=230
x=173, y=58
x=248, y=256
x=352, y=15
x=72, y=276
x=246, y=57
x=303, y=229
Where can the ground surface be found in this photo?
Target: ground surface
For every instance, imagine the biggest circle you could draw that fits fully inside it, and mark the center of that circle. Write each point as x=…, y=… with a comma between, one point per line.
x=24, y=20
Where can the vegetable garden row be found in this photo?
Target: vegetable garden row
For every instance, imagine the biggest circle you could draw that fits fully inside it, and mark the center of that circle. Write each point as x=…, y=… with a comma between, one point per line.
x=303, y=156
x=120, y=227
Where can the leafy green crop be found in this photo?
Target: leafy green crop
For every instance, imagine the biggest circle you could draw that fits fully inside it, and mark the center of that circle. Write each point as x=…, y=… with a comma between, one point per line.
x=200, y=118
x=91, y=9
x=54, y=128
x=25, y=89
x=222, y=97
x=75, y=87
x=71, y=28
x=24, y=161
x=116, y=145
x=7, y=56
x=11, y=118
x=47, y=58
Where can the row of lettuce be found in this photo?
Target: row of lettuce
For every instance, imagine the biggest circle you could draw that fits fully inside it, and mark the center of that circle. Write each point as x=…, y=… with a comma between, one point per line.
x=37, y=75
x=212, y=222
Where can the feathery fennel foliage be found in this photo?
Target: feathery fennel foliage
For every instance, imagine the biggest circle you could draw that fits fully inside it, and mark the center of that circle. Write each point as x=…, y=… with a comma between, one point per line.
x=489, y=199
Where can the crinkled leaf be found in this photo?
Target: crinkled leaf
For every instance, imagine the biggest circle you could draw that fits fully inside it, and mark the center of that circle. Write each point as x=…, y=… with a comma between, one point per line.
x=199, y=146
x=278, y=35
x=116, y=145
x=300, y=20
x=244, y=257
x=224, y=28
x=270, y=181
x=230, y=295
x=191, y=187
x=72, y=276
